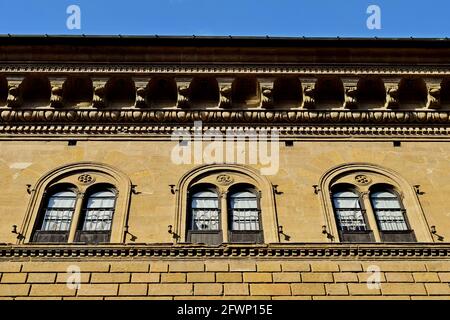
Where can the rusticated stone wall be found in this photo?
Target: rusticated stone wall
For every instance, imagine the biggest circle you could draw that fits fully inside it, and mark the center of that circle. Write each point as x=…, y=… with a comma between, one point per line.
x=225, y=279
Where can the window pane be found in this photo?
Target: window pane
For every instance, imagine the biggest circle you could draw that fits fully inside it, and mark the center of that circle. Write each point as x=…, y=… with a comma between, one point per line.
x=348, y=211
x=205, y=211
x=59, y=211
x=388, y=211
x=244, y=211
x=99, y=211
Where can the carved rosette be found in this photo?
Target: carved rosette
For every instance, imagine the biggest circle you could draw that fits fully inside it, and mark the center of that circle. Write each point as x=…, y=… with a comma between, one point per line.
x=224, y=179
x=86, y=179
x=362, y=179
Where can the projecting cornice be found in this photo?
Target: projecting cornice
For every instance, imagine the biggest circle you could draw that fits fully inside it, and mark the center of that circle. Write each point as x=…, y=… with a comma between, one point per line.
x=135, y=123
x=134, y=116
x=202, y=68
x=274, y=251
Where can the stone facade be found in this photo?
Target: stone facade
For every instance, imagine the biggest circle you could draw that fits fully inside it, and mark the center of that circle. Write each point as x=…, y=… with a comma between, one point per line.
x=101, y=111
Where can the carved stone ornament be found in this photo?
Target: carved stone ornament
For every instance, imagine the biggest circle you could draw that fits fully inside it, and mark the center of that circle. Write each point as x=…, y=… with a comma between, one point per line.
x=362, y=179
x=224, y=179
x=225, y=96
x=86, y=179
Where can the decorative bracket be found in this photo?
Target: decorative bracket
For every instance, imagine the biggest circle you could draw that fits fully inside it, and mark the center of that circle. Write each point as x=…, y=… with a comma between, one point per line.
x=141, y=91
x=434, y=93
x=183, y=92
x=56, y=98
x=99, y=93
x=225, y=89
x=266, y=92
x=14, y=99
x=392, y=93
x=309, y=92
x=351, y=91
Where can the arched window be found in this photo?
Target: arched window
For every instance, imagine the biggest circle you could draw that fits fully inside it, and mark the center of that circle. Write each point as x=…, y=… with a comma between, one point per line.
x=97, y=216
x=372, y=198
x=99, y=202
x=391, y=216
x=242, y=201
x=244, y=216
x=204, y=225
x=350, y=216
x=57, y=214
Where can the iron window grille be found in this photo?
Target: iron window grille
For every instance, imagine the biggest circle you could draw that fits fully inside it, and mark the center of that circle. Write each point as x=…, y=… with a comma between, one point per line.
x=58, y=213
x=391, y=216
x=245, y=217
x=97, y=216
x=204, y=225
x=351, y=217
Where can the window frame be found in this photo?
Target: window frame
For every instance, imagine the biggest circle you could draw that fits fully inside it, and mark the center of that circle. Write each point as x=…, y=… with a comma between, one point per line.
x=53, y=236
x=408, y=234
x=249, y=236
x=208, y=236
x=351, y=173
x=75, y=174
x=350, y=236
x=94, y=236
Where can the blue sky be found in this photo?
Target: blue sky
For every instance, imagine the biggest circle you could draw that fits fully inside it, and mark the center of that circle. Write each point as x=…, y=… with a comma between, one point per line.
x=312, y=18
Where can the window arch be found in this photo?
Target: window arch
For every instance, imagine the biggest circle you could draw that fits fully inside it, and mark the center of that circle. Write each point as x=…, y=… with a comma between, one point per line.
x=350, y=215
x=388, y=203
x=91, y=182
x=390, y=215
x=226, y=181
x=56, y=214
x=97, y=214
x=204, y=225
x=244, y=214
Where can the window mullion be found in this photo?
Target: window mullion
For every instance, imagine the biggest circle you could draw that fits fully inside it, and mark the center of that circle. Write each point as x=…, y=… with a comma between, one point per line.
x=76, y=217
x=370, y=216
x=224, y=215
